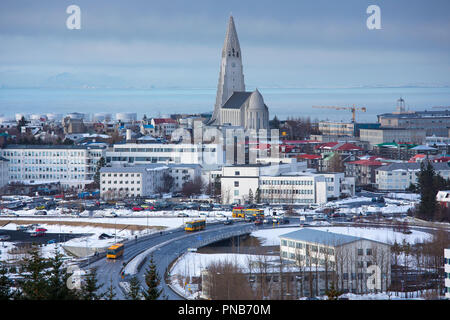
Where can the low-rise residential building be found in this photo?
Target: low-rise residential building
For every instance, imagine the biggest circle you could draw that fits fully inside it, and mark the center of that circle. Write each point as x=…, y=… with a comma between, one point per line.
x=443, y=197
x=397, y=151
x=351, y=264
x=399, y=176
x=164, y=126
x=72, y=166
x=120, y=182
x=363, y=171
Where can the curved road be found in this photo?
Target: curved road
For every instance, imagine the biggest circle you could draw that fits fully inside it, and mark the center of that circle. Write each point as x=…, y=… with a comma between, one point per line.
x=109, y=270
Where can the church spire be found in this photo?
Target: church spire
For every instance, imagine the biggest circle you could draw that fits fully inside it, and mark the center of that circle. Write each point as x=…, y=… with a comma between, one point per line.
x=231, y=45
x=231, y=76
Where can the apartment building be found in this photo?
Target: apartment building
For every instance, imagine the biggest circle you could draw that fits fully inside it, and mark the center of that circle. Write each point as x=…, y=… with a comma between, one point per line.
x=348, y=262
x=363, y=171
x=120, y=182
x=183, y=173
x=399, y=176
x=147, y=153
x=72, y=166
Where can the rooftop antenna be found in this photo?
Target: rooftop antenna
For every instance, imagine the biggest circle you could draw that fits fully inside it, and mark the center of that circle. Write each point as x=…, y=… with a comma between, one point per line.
x=401, y=105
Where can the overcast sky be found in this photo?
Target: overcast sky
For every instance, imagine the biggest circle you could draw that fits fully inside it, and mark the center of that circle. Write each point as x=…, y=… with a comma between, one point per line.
x=178, y=42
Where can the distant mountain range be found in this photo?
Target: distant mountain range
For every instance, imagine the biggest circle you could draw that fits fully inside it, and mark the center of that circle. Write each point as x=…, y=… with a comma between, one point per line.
x=67, y=80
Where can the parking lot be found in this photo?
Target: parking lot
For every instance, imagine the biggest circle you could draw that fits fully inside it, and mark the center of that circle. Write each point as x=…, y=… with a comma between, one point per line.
x=22, y=236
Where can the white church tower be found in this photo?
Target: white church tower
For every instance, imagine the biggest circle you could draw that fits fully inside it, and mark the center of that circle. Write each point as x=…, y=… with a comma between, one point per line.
x=231, y=76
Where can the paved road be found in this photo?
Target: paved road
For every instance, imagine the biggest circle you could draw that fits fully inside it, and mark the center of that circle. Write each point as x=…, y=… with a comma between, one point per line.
x=109, y=271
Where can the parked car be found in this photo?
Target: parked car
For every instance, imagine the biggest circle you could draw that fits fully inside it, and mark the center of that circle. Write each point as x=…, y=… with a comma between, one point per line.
x=37, y=234
x=205, y=207
x=228, y=222
x=109, y=214
x=137, y=209
x=4, y=237
x=51, y=241
x=40, y=213
x=182, y=214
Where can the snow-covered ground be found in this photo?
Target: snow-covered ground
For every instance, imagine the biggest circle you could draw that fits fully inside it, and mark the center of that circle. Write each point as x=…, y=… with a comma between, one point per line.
x=270, y=237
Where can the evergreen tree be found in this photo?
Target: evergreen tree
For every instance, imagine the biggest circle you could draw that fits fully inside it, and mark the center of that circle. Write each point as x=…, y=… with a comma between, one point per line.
x=100, y=164
x=332, y=293
x=34, y=284
x=258, y=196
x=90, y=287
x=57, y=277
x=110, y=294
x=134, y=291
x=426, y=184
x=152, y=280
x=217, y=187
x=5, y=284
x=250, y=196
x=275, y=123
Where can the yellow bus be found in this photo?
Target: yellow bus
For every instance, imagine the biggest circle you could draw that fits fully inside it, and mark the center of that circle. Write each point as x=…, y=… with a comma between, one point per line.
x=257, y=213
x=195, y=225
x=238, y=212
x=115, y=251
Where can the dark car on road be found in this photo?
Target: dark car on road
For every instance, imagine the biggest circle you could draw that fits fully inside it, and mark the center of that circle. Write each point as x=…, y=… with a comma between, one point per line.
x=258, y=222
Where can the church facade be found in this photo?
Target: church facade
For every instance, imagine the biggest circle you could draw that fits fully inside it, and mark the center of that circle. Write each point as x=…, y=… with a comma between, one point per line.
x=235, y=106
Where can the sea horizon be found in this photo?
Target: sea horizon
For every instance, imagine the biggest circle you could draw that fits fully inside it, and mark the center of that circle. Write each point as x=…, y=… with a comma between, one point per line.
x=283, y=102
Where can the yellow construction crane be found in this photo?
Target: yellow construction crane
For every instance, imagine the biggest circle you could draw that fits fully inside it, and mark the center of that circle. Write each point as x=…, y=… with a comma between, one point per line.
x=352, y=109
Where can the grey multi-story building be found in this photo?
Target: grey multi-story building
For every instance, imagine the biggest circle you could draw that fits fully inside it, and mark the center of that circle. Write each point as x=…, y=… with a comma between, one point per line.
x=351, y=264
x=433, y=122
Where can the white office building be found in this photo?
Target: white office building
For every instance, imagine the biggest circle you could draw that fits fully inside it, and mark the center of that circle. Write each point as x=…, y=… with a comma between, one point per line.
x=288, y=183
x=131, y=181
x=147, y=153
x=72, y=166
